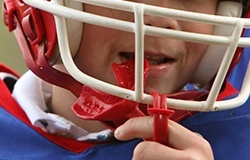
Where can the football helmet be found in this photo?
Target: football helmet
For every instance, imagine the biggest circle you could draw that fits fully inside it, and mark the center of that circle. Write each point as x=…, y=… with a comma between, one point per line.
x=45, y=31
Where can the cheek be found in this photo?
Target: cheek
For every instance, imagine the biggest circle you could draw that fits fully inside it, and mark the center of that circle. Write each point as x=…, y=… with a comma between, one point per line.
x=95, y=55
x=89, y=52
x=196, y=27
x=195, y=51
x=95, y=66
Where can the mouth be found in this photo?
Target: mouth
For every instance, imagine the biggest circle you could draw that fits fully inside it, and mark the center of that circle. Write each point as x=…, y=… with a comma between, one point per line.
x=152, y=60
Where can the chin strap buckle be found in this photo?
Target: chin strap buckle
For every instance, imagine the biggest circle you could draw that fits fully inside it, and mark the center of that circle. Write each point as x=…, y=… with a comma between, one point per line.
x=161, y=114
x=8, y=14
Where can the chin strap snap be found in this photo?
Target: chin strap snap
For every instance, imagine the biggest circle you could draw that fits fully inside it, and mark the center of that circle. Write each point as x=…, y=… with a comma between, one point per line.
x=161, y=114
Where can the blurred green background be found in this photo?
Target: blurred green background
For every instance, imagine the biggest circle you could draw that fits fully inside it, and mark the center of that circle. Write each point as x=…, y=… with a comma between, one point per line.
x=10, y=53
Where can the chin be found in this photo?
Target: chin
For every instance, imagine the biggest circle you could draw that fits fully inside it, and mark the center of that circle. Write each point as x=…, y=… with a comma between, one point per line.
x=159, y=89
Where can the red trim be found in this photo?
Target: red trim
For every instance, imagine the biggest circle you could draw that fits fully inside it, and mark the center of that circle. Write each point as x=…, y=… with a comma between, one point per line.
x=227, y=91
x=4, y=68
x=9, y=104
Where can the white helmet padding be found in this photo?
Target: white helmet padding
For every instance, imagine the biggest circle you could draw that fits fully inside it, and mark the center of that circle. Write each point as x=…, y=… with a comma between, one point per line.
x=211, y=60
x=74, y=29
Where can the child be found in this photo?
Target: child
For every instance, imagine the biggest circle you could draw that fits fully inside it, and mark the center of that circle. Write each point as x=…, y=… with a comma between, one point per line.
x=61, y=112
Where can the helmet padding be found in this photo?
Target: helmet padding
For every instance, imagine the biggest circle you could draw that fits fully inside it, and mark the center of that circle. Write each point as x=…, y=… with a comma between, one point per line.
x=214, y=54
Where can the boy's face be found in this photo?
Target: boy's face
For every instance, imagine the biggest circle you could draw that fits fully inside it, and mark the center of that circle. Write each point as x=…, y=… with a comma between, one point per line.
x=172, y=62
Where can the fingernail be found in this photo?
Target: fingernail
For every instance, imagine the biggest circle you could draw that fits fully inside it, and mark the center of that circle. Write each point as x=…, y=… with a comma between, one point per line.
x=117, y=132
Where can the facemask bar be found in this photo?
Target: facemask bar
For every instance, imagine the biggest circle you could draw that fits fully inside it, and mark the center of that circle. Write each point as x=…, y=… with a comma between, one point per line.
x=140, y=30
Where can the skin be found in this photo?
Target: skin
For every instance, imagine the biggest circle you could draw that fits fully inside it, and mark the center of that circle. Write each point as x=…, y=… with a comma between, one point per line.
x=102, y=46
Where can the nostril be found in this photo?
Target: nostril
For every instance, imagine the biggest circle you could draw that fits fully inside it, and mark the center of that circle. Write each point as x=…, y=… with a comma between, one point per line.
x=157, y=26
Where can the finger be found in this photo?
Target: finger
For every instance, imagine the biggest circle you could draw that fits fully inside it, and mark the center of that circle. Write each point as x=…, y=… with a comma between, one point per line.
x=140, y=127
x=151, y=150
x=182, y=138
x=192, y=143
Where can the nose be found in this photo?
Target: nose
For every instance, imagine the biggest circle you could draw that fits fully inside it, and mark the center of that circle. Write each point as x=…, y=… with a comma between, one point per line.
x=162, y=22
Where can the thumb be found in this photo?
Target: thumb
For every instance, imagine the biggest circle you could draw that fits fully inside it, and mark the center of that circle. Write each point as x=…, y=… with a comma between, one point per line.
x=139, y=127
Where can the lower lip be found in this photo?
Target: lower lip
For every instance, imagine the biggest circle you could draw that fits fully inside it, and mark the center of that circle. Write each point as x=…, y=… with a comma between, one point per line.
x=159, y=70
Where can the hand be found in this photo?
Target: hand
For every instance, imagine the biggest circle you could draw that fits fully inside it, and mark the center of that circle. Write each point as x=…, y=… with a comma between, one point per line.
x=183, y=143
